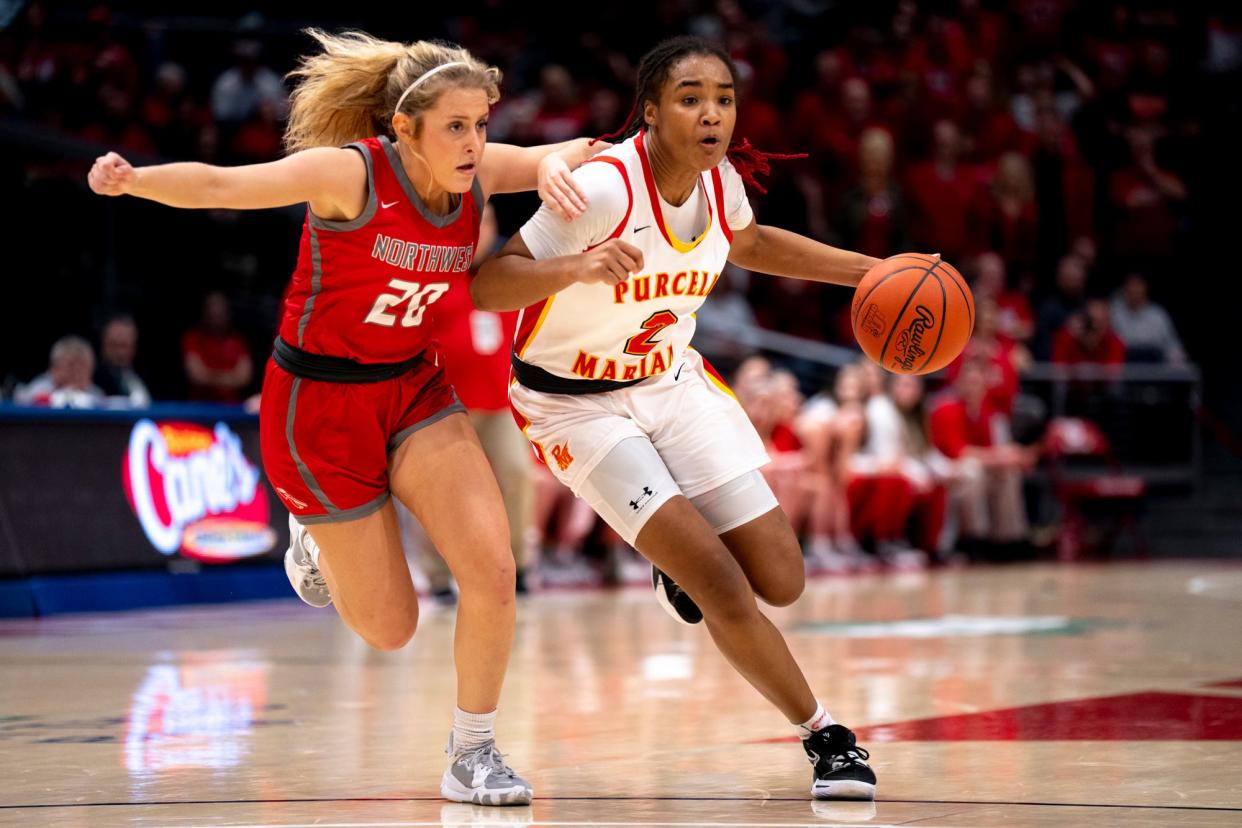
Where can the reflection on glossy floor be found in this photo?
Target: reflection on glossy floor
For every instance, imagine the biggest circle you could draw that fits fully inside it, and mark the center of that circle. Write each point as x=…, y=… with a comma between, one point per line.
x=1038, y=696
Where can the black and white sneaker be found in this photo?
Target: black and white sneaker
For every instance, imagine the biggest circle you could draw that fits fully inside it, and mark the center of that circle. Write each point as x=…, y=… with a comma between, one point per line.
x=674, y=599
x=840, y=769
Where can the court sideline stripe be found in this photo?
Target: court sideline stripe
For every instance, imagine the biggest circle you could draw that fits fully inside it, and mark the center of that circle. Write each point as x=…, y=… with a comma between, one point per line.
x=1212, y=808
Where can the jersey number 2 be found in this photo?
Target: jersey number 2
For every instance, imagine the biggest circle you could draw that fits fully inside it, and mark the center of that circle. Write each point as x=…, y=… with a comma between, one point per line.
x=418, y=296
x=643, y=343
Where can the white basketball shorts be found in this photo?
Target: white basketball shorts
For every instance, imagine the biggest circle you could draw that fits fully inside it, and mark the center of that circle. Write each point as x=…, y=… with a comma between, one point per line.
x=688, y=414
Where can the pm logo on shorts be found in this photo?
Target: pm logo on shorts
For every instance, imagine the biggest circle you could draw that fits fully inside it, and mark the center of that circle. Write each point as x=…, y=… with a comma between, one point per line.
x=562, y=456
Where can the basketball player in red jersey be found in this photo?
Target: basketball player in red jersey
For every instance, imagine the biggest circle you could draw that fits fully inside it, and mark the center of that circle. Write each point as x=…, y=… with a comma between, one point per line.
x=353, y=408
x=607, y=386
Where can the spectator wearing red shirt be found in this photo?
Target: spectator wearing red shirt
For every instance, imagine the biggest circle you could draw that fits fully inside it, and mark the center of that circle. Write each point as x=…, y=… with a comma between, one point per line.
x=991, y=127
x=985, y=30
x=117, y=126
x=1088, y=338
x=1015, y=321
x=216, y=357
x=607, y=110
x=1071, y=289
x=758, y=121
x=873, y=213
x=110, y=62
x=1064, y=187
x=967, y=426
x=1145, y=198
x=474, y=347
x=259, y=139
x=841, y=134
x=1011, y=226
x=833, y=142
x=940, y=57
x=815, y=109
x=561, y=114
x=1004, y=360
x=772, y=400
x=944, y=197
x=865, y=54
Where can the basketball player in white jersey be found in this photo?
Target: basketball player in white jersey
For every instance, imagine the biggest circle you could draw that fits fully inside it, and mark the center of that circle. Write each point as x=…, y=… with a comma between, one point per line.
x=630, y=417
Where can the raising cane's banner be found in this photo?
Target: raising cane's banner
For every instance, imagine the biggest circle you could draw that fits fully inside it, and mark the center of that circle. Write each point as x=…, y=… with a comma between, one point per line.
x=194, y=491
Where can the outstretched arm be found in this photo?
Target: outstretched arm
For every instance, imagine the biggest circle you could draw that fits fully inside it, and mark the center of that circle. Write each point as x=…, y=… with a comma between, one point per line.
x=514, y=279
x=781, y=253
x=332, y=180
x=509, y=169
x=548, y=254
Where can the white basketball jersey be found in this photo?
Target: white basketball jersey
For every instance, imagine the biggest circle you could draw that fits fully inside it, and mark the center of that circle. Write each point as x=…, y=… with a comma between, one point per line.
x=639, y=328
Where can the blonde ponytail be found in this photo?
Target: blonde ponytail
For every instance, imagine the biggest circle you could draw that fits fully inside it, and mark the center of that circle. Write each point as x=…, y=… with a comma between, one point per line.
x=351, y=89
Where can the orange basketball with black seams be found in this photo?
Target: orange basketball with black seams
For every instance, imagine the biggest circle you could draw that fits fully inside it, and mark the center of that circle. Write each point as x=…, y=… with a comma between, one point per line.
x=913, y=313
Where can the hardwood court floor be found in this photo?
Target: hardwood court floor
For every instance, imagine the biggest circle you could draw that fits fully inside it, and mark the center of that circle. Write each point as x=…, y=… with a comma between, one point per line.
x=1022, y=696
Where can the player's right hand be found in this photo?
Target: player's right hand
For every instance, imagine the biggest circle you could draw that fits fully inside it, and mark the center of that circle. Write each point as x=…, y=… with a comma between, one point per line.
x=112, y=175
x=611, y=263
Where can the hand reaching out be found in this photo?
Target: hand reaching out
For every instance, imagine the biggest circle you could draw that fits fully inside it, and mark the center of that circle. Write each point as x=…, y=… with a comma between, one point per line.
x=557, y=187
x=111, y=175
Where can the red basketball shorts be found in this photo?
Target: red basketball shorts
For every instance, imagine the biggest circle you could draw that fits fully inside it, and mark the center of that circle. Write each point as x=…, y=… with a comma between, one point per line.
x=326, y=445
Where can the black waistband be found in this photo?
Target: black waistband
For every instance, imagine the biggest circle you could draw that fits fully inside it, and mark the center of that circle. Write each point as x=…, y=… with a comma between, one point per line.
x=336, y=369
x=537, y=379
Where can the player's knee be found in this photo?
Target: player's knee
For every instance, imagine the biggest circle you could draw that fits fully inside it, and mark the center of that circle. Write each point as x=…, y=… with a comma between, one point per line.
x=495, y=581
x=726, y=596
x=783, y=589
x=394, y=633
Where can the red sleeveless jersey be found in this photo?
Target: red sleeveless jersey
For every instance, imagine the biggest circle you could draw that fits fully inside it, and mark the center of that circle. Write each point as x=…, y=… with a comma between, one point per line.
x=364, y=289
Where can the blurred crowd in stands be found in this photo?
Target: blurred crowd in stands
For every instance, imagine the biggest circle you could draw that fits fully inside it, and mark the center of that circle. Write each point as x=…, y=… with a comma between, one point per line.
x=1048, y=148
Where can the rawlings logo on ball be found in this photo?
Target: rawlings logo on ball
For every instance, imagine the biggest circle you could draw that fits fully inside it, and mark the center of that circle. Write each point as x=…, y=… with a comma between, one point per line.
x=909, y=345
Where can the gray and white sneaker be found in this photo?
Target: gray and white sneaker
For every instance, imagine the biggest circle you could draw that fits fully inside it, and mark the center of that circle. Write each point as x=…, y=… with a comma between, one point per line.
x=307, y=580
x=481, y=777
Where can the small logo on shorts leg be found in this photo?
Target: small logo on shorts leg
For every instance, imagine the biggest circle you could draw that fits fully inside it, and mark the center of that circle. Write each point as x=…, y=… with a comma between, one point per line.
x=562, y=456
x=639, y=502
x=290, y=499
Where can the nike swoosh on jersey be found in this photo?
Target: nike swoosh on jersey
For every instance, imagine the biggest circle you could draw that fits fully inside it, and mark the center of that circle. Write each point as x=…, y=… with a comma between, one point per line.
x=387, y=204
x=644, y=227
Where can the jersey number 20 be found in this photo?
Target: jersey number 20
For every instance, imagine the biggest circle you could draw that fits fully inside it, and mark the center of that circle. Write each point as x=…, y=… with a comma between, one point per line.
x=418, y=296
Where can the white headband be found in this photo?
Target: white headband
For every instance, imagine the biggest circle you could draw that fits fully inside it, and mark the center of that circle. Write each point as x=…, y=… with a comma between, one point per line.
x=424, y=77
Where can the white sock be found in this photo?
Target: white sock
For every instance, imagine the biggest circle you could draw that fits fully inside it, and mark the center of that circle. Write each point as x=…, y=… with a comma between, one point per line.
x=818, y=721
x=472, y=730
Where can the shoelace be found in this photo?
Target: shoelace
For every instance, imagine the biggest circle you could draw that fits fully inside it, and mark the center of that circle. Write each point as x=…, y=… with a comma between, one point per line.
x=856, y=754
x=844, y=752
x=488, y=756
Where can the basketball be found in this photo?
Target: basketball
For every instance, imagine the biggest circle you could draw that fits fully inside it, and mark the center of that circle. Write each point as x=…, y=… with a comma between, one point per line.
x=913, y=313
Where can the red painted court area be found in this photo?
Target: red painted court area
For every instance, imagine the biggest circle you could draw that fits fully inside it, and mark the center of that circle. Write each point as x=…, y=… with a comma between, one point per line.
x=1130, y=717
